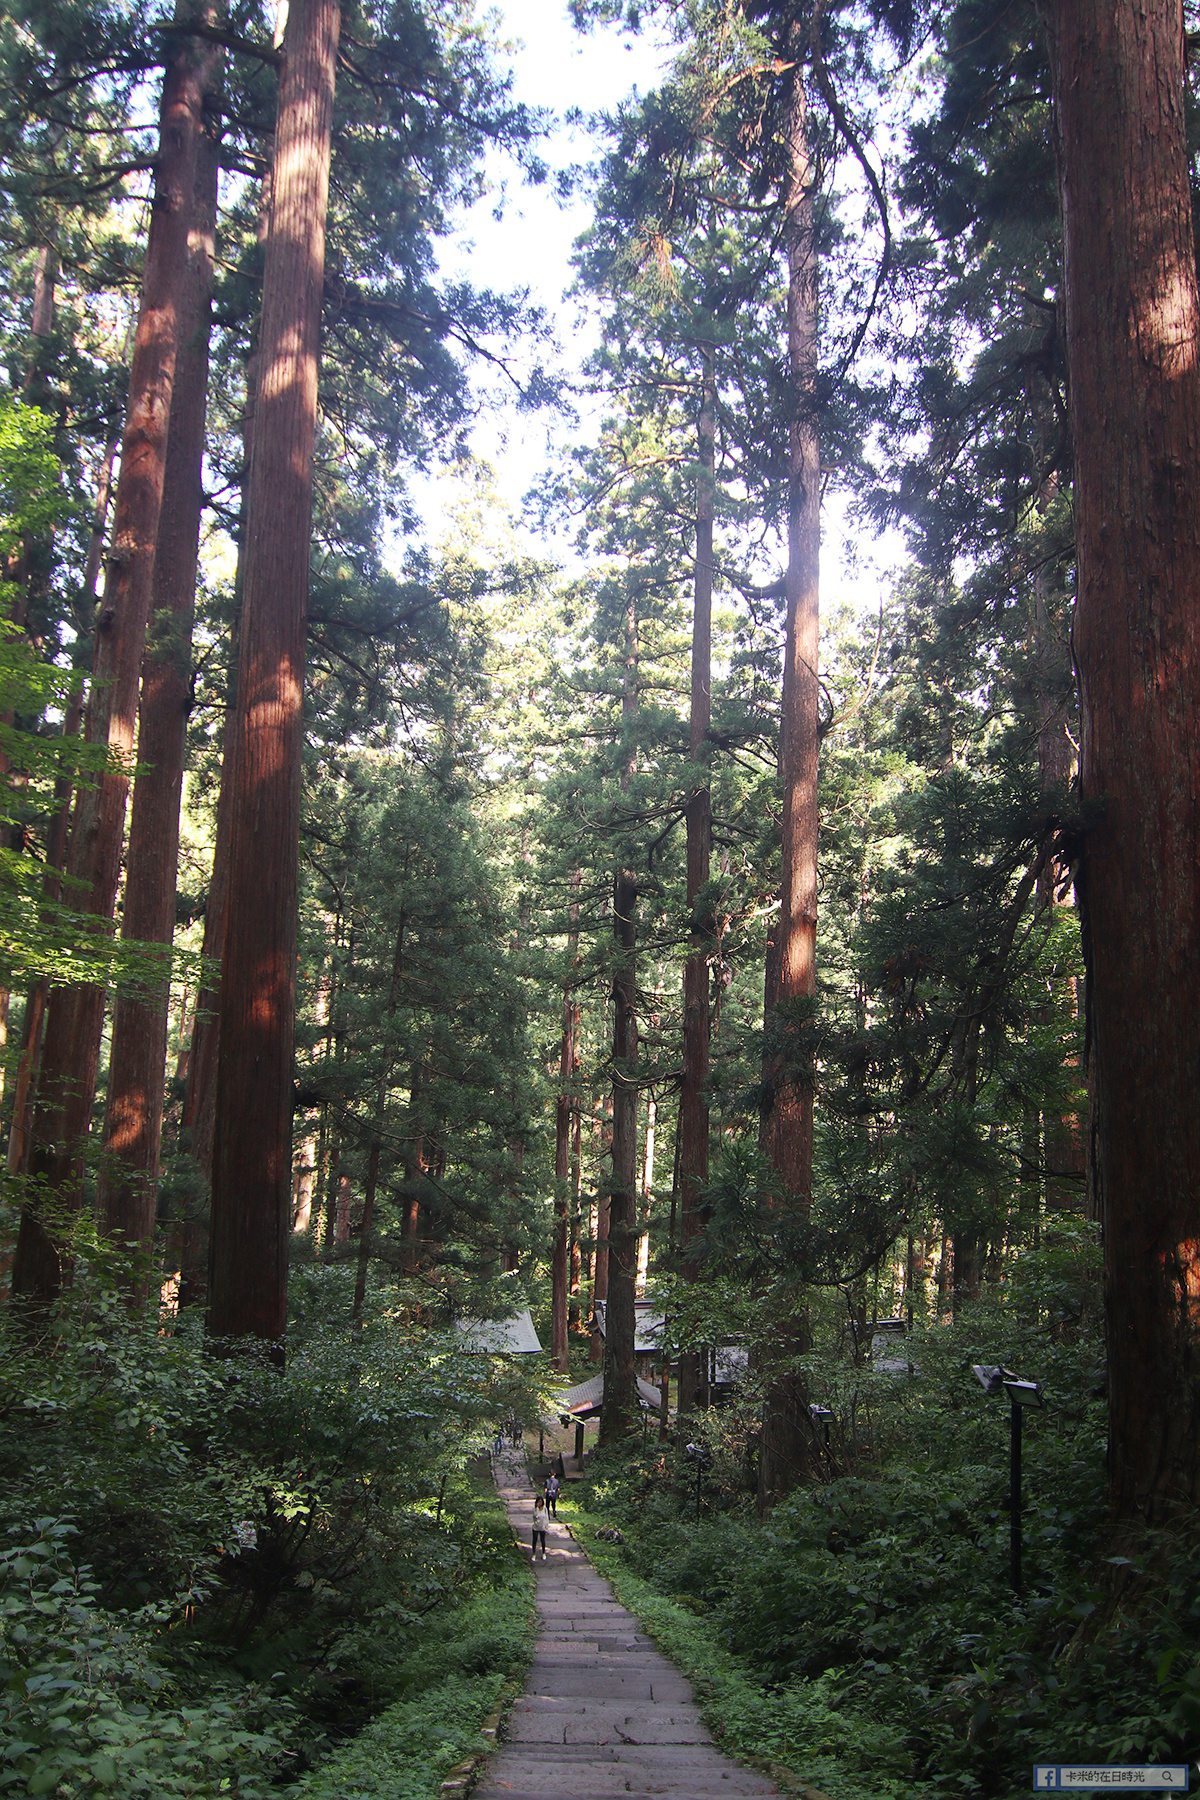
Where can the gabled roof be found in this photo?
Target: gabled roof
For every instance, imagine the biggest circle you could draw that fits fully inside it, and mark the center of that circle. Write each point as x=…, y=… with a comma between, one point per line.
x=583, y=1401
x=500, y=1337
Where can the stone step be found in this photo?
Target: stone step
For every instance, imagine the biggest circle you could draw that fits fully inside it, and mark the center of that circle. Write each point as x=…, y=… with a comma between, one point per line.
x=604, y=1714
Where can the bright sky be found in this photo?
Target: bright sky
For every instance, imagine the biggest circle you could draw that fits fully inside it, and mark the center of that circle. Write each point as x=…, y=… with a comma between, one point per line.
x=555, y=69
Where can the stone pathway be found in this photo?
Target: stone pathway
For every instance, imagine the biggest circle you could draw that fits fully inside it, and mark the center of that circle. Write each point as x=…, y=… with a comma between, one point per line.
x=603, y=1714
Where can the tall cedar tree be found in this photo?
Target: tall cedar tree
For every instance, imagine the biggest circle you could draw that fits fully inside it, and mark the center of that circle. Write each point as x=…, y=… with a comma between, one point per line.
x=137, y=1064
x=1133, y=325
x=252, y=1163
x=76, y=1014
x=565, y=1121
x=791, y=978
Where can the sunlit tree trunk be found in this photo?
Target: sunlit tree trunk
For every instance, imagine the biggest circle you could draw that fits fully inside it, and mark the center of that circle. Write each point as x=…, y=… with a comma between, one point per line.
x=247, y=1295
x=1133, y=330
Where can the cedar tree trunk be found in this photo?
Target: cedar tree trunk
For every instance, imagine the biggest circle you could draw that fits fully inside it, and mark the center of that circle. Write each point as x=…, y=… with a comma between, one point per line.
x=618, y=1413
x=560, y=1263
x=1133, y=331
x=247, y=1291
x=693, y=1106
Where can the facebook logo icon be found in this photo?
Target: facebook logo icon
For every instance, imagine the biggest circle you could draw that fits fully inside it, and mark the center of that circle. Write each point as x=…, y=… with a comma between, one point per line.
x=1045, y=1775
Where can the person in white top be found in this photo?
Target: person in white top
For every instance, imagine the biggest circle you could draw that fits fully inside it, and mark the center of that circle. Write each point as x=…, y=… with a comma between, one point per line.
x=539, y=1527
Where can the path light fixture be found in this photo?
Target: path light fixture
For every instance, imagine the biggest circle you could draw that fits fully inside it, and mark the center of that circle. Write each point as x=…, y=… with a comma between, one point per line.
x=821, y=1415
x=994, y=1378
x=699, y=1454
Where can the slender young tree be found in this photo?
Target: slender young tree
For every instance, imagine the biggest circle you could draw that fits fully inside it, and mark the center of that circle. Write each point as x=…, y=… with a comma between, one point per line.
x=563, y=1119
x=375, y=1150
x=252, y=1147
x=693, y=1106
x=1133, y=326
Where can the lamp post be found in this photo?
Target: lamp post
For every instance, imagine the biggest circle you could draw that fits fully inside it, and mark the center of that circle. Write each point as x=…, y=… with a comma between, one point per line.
x=698, y=1453
x=995, y=1379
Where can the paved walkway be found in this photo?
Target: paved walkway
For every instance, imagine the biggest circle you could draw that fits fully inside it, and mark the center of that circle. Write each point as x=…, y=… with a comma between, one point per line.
x=604, y=1714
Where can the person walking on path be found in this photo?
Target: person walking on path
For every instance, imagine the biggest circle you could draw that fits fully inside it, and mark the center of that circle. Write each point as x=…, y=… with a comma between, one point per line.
x=551, y=1492
x=539, y=1527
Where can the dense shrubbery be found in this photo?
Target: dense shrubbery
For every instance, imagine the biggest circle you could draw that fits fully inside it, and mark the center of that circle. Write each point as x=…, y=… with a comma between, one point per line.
x=881, y=1593
x=217, y=1570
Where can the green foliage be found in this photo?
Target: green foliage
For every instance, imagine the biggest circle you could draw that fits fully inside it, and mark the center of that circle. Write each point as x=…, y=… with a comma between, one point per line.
x=30, y=495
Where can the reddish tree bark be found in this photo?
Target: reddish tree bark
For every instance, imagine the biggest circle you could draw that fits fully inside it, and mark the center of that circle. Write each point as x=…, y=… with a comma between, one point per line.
x=76, y=1015
x=200, y=1095
x=693, y=1106
x=786, y=1132
x=252, y=1161
x=137, y=1064
x=1133, y=326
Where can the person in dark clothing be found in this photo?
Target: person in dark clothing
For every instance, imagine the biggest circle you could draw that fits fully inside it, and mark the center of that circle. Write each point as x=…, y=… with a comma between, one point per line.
x=551, y=1492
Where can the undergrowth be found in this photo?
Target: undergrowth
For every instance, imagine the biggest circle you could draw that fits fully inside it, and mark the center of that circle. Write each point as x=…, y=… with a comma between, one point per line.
x=452, y=1683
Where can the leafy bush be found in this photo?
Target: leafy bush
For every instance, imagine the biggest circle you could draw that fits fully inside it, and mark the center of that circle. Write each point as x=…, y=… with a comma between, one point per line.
x=86, y=1708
